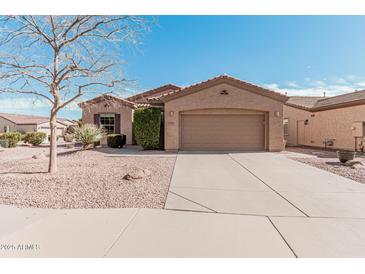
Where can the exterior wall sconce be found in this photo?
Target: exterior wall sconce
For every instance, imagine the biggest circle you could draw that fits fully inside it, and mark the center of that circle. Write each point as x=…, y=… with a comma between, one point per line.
x=277, y=114
x=171, y=113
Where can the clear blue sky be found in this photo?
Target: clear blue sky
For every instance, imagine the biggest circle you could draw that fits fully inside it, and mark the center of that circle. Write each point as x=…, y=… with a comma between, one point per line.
x=300, y=55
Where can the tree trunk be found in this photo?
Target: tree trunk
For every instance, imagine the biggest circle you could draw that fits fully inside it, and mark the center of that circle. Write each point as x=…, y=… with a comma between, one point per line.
x=52, y=167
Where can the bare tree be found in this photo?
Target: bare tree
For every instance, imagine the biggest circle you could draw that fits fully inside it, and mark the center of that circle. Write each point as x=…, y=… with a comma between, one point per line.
x=61, y=58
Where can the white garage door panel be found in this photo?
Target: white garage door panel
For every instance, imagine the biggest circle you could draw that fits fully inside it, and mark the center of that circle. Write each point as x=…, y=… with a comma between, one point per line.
x=230, y=132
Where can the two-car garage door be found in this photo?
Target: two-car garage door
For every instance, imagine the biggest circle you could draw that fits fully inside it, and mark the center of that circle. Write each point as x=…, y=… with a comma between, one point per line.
x=222, y=132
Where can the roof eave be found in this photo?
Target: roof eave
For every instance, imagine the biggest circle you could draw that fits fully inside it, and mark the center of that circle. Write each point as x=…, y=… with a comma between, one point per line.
x=234, y=82
x=298, y=106
x=105, y=97
x=339, y=105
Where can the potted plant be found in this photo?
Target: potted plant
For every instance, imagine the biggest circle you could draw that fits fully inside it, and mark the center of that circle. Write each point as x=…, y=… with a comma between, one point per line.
x=345, y=155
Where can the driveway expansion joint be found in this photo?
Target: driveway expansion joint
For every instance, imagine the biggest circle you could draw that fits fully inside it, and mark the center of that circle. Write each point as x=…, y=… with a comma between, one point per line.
x=121, y=233
x=213, y=211
x=274, y=190
x=169, y=186
x=281, y=235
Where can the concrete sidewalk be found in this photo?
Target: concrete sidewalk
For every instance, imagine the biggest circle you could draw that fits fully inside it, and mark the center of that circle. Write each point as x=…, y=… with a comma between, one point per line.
x=169, y=233
x=136, y=233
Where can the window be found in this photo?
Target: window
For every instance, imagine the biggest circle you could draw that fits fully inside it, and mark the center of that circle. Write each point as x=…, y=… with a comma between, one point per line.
x=6, y=128
x=286, y=126
x=107, y=121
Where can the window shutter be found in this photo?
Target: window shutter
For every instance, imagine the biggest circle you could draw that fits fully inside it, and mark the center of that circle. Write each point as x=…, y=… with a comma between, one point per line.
x=117, y=123
x=97, y=120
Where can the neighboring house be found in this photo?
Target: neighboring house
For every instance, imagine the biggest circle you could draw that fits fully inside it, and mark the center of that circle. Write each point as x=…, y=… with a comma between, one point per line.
x=223, y=113
x=332, y=122
x=29, y=123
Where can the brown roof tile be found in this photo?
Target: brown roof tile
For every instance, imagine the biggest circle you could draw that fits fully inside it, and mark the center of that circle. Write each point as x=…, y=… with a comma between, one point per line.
x=341, y=99
x=303, y=101
x=216, y=80
x=109, y=98
x=312, y=103
x=152, y=92
x=22, y=119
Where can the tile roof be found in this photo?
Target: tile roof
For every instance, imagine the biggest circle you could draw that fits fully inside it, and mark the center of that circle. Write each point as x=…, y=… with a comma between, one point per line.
x=312, y=103
x=109, y=98
x=22, y=119
x=340, y=99
x=221, y=79
x=147, y=94
x=303, y=101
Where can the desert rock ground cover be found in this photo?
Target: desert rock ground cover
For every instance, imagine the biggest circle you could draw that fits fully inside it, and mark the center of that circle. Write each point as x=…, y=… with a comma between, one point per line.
x=327, y=160
x=86, y=179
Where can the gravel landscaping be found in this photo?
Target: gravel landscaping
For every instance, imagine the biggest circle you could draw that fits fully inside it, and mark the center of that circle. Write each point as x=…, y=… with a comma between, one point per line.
x=327, y=160
x=87, y=179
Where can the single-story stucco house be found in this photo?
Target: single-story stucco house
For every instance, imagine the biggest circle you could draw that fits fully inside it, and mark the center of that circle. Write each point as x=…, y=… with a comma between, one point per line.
x=222, y=113
x=336, y=122
x=29, y=123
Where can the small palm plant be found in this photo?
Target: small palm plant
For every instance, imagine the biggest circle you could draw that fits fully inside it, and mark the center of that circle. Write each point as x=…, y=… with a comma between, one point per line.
x=88, y=134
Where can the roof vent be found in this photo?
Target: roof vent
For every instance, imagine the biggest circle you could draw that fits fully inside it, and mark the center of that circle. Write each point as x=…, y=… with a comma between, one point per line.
x=224, y=92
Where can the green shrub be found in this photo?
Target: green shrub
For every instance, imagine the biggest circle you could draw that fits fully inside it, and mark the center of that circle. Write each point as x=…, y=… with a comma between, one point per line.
x=68, y=137
x=88, y=134
x=35, y=138
x=116, y=140
x=146, y=127
x=4, y=143
x=12, y=138
x=23, y=137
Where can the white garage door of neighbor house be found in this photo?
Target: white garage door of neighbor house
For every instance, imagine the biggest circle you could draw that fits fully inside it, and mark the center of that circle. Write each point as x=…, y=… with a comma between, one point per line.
x=222, y=132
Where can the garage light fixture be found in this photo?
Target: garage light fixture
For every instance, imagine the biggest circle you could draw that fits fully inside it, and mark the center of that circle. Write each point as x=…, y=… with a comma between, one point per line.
x=277, y=114
x=171, y=113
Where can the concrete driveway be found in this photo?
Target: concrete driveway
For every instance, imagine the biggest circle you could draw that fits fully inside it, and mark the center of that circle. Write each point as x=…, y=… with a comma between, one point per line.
x=317, y=213
x=219, y=205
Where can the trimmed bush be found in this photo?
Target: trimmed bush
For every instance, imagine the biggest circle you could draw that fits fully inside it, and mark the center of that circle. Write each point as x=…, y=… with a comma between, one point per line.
x=12, y=138
x=146, y=127
x=88, y=135
x=116, y=140
x=34, y=138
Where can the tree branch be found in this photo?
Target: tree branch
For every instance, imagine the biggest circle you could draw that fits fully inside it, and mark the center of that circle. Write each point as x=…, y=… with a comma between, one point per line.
x=81, y=87
x=26, y=92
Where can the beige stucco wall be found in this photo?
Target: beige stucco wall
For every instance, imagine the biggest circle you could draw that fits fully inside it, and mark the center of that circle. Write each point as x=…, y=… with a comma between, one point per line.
x=211, y=98
x=294, y=115
x=15, y=127
x=334, y=123
x=126, y=116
